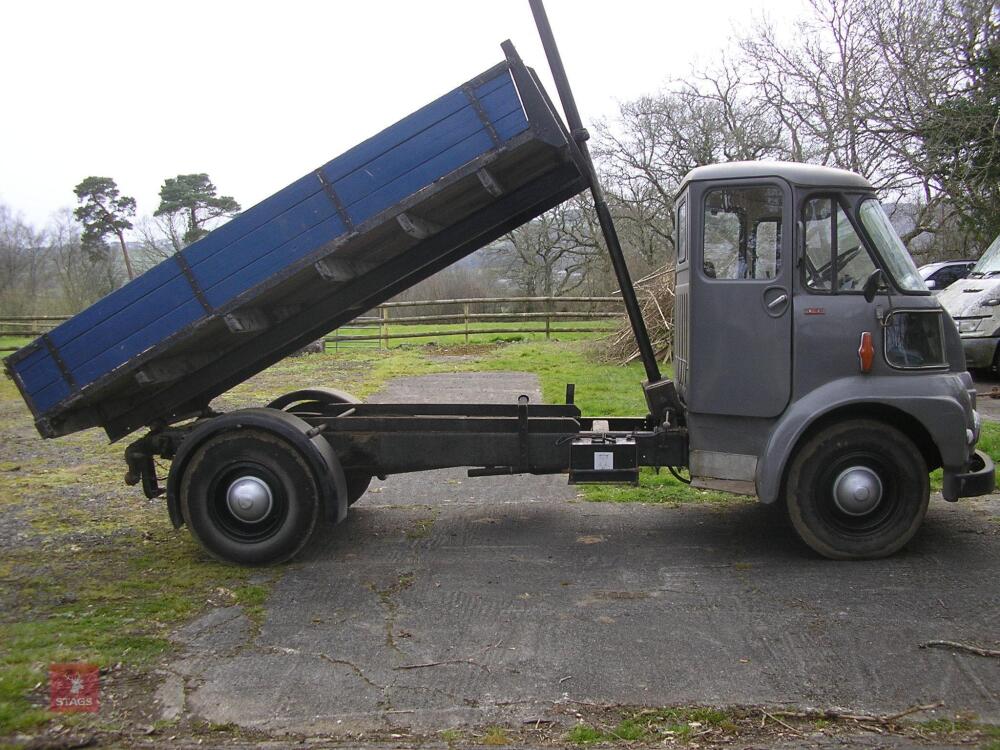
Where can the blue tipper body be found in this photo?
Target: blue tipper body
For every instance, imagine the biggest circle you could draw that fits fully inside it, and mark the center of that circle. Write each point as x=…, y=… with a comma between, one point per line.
x=498, y=128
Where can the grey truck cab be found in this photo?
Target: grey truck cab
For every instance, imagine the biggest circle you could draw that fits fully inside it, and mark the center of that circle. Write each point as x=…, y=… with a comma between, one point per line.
x=815, y=366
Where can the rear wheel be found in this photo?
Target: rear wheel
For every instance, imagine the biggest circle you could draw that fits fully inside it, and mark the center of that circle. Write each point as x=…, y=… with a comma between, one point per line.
x=857, y=490
x=249, y=497
x=314, y=401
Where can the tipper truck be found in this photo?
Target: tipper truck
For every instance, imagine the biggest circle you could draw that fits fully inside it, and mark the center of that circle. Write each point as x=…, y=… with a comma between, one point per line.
x=813, y=368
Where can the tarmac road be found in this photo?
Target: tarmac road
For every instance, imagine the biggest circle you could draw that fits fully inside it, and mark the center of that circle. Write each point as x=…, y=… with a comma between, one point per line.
x=446, y=601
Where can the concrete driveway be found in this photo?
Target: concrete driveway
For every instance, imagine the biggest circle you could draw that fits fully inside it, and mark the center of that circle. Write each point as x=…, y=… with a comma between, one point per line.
x=446, y=601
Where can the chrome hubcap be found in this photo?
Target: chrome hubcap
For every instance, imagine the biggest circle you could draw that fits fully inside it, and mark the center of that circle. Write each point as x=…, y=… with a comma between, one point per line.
x=249, y=499
x=857, y=491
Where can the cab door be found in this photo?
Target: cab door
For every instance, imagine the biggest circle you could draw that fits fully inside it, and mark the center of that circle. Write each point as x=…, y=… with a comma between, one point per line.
x=740, y=345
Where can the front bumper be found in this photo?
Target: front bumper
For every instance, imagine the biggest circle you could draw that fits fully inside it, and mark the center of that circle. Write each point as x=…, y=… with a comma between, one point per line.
x=979, y=351
x=980, y=479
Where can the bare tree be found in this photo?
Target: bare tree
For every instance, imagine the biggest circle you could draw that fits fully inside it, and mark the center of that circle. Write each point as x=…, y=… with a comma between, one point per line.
x=159, y=237
x=657, y=140
x=856, y=83
x=465, y=279
x=83, y=276
x=550, y=255
x=22, y=265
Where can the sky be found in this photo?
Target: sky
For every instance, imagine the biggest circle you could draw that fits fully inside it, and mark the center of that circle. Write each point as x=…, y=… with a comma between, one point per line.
x=256, y=94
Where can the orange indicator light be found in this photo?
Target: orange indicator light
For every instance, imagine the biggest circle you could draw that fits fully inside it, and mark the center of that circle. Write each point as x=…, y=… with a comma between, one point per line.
x=866, y=352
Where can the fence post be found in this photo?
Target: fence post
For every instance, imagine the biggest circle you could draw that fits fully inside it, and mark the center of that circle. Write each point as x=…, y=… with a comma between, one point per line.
x=383, y=326
x=465, y=312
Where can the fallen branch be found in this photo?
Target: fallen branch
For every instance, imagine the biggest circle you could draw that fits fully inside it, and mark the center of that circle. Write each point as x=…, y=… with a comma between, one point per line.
x=779, y=721
x=834, y=715
x=955, y=646
x=913, y=710
x=436, y=664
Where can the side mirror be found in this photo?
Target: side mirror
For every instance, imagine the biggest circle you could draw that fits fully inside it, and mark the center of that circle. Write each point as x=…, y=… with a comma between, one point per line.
x=931, y=284
x=871, y=284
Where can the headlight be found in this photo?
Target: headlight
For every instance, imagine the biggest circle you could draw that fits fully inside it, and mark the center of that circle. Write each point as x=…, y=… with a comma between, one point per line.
x=968, y=325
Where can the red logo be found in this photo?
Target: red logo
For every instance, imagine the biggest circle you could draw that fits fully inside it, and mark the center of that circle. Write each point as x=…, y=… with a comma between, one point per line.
x=74, y=687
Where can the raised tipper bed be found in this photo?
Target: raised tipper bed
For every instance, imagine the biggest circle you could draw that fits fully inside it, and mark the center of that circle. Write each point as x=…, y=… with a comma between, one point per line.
x=425, y=192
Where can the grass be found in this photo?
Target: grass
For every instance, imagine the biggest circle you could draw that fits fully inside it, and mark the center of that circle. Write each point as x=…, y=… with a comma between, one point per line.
x=655, y=725
x=584, y=734
x=989, y=440
x=421, y=529
x=11, y=342
x=496, y=736
x=988, y=734
x=602, y=389
x=110, y=600
x=656, y=488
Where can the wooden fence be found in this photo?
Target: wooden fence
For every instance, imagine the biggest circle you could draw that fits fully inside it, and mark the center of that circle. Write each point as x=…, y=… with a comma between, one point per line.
x=533, y=315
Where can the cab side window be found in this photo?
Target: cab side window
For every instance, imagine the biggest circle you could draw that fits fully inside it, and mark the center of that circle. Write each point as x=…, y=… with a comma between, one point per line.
x=682, y=230
x=743, y=233
x=834, y=259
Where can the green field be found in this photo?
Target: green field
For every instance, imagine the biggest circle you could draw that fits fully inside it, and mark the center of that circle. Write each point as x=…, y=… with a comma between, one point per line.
x=12, y=342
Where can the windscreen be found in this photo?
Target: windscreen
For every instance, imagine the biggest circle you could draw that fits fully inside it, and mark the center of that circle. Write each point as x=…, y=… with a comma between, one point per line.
x=989, y=263
x=890, y=247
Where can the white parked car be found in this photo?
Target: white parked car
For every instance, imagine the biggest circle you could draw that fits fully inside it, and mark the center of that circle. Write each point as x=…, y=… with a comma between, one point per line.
x=939, y=276
x=974, y=303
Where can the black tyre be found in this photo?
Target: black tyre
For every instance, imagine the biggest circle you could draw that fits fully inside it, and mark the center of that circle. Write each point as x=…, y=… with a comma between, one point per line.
x=249, y=497
x=312, y=401
x=857, y=490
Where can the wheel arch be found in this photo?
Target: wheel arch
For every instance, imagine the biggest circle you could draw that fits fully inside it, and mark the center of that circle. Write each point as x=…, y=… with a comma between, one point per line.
x=787, y=439
x=317, y=452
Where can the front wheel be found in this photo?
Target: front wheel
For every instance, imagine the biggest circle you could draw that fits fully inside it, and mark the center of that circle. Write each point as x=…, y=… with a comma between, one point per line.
x=249, y=497
x=857, y=490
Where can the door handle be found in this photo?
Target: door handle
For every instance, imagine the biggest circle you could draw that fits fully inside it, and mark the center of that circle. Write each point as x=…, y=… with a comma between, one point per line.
x=779, y=300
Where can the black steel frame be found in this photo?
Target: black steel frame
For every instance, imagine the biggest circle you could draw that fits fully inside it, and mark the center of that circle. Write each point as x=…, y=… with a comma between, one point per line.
x=492, y=439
